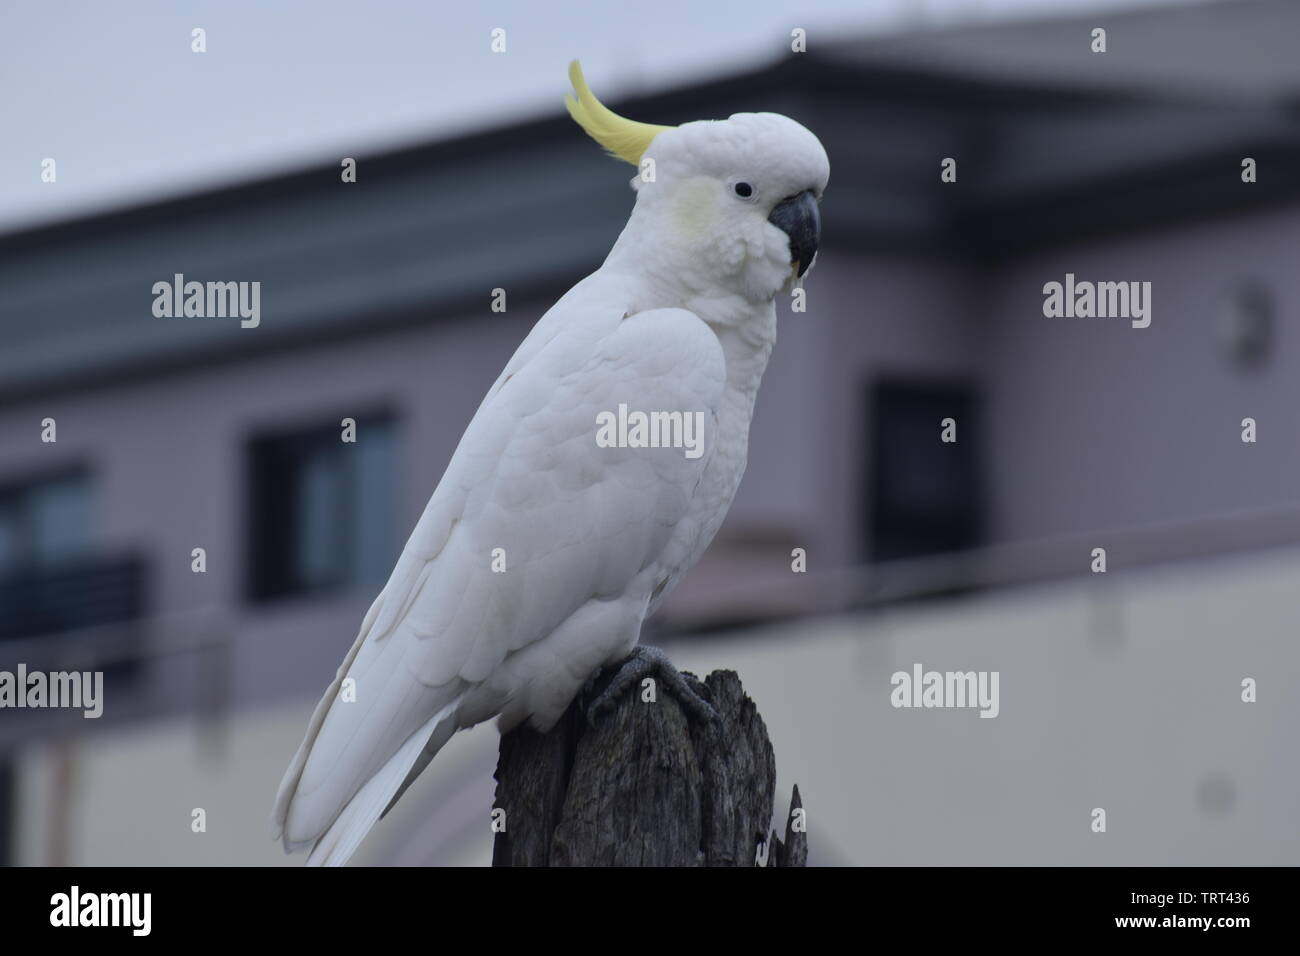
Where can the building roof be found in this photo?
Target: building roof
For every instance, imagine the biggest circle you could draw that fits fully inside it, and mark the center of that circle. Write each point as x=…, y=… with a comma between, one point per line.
x=1226, y=50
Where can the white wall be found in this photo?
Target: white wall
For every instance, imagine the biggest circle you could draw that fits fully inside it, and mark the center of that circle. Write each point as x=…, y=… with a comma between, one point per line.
x=1120, y=692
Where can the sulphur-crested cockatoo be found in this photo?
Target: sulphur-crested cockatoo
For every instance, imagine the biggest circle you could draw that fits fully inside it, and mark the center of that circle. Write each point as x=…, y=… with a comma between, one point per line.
x=544, y=547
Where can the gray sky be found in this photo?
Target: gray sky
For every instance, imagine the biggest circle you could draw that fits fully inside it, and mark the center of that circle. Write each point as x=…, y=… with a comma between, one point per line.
x=111, y=91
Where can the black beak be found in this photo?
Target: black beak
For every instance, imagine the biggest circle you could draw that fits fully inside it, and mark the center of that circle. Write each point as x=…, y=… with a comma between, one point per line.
x=799, y=219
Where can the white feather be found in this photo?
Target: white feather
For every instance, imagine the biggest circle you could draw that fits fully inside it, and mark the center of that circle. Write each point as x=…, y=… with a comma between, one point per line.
x=344, y=835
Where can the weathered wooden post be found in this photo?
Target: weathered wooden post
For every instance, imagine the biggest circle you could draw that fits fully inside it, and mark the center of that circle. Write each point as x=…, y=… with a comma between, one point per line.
x=644, y=787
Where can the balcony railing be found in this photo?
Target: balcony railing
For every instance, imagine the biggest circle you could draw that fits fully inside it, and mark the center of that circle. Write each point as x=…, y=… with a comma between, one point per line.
x=73, y=597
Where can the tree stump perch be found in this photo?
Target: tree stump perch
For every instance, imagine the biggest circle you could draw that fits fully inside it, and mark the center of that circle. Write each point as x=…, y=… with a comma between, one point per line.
x=644, y=787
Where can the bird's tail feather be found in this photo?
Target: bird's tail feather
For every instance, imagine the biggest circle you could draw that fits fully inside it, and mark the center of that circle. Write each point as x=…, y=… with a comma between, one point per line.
x=441, y=734
x=337, y=844
x=289, y=785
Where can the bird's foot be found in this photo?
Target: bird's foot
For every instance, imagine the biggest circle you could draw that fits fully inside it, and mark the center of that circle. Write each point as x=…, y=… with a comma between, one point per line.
x=689, y=691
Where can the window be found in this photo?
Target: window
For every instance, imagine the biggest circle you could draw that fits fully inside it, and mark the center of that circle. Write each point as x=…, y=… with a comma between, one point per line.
x=925, y=493
x=323, y=515
x=52, y=578
x=44, y=522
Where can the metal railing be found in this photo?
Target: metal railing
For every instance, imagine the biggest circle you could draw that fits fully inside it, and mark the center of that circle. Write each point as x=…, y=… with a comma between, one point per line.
x=783, y=596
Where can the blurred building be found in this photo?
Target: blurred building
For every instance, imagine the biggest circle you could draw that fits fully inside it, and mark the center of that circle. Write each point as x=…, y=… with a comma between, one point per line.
x=926, y=304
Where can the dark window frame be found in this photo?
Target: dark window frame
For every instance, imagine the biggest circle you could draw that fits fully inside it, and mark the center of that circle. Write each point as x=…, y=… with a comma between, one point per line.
x=893, y=529
x=273, y=459
x=26, y=484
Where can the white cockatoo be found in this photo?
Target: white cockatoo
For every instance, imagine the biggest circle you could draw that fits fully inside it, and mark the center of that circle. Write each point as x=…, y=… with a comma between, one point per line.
x=544, y=548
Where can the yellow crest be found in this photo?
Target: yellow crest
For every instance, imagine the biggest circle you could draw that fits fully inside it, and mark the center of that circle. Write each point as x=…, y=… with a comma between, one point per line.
x=623, y=138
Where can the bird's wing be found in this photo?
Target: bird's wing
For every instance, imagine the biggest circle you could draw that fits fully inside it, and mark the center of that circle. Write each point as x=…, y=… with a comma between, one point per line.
x=572, y=521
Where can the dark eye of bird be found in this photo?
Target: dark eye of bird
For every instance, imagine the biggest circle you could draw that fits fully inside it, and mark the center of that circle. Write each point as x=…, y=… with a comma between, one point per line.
x=744, y=190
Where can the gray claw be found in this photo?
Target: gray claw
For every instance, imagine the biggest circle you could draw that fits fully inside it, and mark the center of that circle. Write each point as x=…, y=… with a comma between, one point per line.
x=689, y=691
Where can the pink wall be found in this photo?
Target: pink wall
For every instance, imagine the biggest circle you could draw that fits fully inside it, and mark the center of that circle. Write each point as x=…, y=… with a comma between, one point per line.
x=1095, y=424
x=1089, y=422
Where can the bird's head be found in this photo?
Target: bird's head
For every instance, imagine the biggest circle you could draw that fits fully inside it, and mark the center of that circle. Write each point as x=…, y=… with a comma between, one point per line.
x=736, y=199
